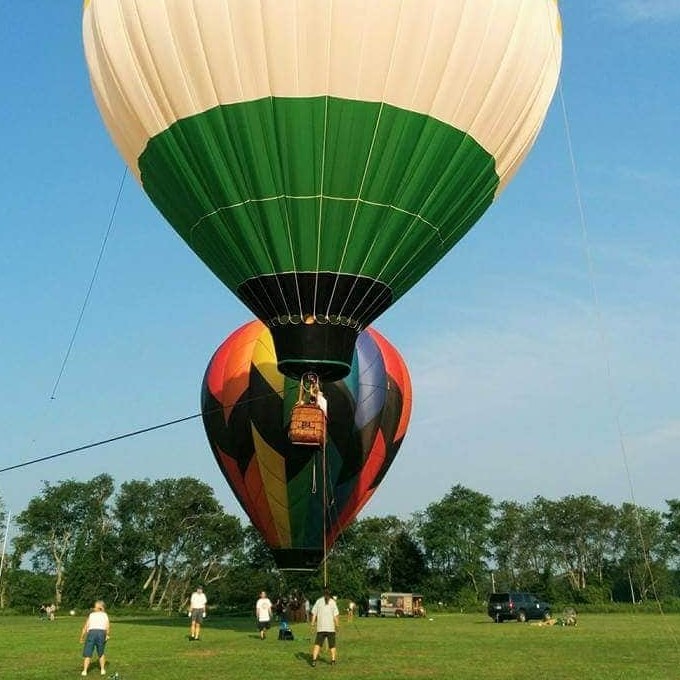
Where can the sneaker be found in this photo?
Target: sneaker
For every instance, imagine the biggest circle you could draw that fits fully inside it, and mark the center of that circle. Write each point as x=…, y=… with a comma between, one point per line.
x=332, y=662
x=102, y=672
x=84, y=674
x=313, y=663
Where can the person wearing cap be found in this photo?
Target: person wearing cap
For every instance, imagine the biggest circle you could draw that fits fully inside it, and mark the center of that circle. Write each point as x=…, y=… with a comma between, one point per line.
x=326, y=616
x=197, y=612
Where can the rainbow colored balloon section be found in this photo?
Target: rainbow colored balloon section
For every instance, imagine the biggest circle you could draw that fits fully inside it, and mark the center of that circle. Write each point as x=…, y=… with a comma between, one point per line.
x=246, y=405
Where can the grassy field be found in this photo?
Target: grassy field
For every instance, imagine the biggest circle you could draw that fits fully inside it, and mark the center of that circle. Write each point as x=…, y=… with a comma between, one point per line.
x=464, y=646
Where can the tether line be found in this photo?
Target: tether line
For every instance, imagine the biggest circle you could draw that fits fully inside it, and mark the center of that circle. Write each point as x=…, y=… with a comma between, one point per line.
x=136, y=433
x=90, y=287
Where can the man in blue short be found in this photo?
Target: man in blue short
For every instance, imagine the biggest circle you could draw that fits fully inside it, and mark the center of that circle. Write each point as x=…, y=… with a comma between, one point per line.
x=95, y=634
x=326, y=616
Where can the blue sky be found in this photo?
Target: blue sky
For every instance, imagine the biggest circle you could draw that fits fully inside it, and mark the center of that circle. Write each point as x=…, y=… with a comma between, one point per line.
x=544, y=349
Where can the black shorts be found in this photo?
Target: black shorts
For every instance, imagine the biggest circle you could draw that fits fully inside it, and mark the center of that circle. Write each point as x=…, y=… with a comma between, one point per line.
x=323, y=635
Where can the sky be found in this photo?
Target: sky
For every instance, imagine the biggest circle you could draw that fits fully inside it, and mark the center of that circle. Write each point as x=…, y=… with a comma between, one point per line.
x=544, y=349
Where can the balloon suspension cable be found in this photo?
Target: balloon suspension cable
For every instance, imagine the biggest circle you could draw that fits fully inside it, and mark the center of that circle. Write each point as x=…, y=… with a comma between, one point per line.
x=310, y=393
x=325, y=524
x=314, y=476
x=319, y=400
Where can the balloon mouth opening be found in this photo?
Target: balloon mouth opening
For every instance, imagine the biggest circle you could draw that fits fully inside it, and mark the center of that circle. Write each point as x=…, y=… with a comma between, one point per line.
x=298, y=559
x=315, y=317
x=323, y=349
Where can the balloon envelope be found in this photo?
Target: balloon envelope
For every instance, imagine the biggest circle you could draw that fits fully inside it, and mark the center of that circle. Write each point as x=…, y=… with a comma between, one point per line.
x=320, y=157
x=246, y=405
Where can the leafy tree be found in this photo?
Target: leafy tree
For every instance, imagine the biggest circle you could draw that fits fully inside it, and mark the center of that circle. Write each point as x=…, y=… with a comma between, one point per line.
x=409, y=567
x=672, y=528
x=641, y=551
x=508, y=538
x=28, y=589
x=255, y=552
x=4, y=559
x=572, y=537
x=3, y=517
x=155, y=540
x=65, y=515
x=581, y=534
x=367, y=546
x=174, y=532
x=540, y=549
x=455, y=533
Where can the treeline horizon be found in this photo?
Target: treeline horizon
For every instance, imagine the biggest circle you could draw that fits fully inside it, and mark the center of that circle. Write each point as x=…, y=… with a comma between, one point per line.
x=148, y=544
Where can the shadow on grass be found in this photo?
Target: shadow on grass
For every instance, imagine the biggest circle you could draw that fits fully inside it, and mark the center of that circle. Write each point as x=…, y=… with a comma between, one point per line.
x=239, y=625
x=304, y=656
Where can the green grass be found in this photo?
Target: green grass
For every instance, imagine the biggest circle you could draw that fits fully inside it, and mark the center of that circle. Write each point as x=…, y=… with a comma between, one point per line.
x=464, y=646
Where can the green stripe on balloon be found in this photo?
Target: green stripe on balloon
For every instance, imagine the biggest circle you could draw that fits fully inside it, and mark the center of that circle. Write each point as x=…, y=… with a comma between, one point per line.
x=242, y=184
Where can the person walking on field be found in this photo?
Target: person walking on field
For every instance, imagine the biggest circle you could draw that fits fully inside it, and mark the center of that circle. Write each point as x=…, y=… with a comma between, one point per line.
x=326, y=616
x=263, y=614
x=197, y=612
x=95, y=635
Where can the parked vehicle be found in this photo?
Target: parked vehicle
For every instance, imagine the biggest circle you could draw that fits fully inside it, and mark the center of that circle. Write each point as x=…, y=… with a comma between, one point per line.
x=370, y=606
x=401, y=604
x=519, y=606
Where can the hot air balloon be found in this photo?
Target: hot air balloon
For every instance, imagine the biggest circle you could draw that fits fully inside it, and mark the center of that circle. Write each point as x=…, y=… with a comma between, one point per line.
x=320, y=157
x=299, y=497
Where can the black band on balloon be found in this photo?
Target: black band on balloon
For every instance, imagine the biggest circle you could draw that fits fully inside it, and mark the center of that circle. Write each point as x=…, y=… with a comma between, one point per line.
x=324, y=350
x=315, y=318
x=338, y=299
x=298, y=559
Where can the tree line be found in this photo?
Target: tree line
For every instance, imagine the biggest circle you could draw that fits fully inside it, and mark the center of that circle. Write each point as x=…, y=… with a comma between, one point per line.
x=148, y=544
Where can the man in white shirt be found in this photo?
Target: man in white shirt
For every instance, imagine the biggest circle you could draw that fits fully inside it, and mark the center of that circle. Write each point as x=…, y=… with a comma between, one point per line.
x=263, y=614
x=326, y=616
x=197, y=612
x=95, y=635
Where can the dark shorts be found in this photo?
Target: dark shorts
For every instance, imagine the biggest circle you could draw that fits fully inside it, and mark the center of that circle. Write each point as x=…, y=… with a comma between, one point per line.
x=96, y=639
x=197, y=615
x=263, y=625
x=321, y=636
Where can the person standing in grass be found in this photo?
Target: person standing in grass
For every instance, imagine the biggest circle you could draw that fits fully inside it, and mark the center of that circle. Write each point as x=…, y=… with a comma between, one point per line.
x=95, y=634
x=197, y=612
x=326, y=616
x=263, y=614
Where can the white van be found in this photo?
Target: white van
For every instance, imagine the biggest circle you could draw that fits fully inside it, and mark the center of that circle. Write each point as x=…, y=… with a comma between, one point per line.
x=401, y=604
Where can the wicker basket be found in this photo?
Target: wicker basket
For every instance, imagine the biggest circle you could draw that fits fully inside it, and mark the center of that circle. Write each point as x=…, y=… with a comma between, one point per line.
x=307, y=425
